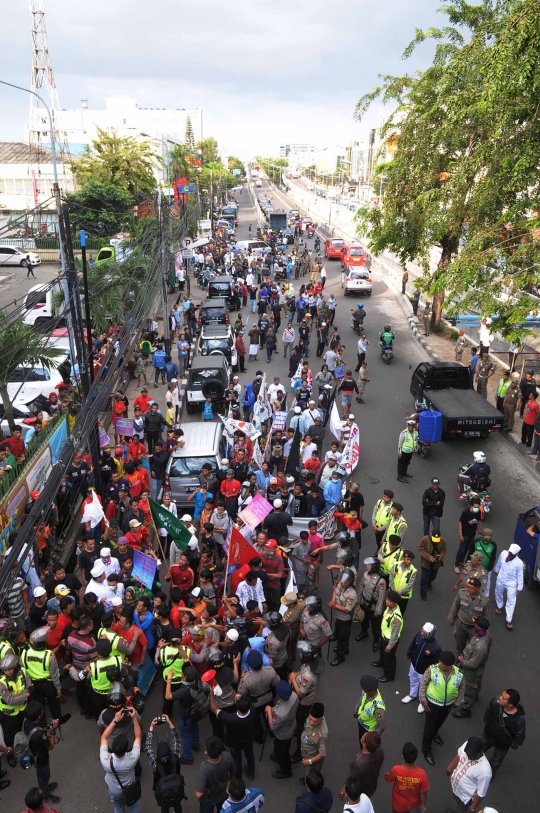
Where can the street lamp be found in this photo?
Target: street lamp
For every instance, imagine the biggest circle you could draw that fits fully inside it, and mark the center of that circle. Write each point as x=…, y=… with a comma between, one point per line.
x=56, y=189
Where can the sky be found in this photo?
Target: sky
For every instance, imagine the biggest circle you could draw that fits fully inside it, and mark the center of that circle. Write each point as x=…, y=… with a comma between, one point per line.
x=263, y=72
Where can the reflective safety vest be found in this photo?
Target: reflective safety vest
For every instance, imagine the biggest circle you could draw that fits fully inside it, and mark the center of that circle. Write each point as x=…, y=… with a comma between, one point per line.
x=36, y=662
x=114, y=639
x=408, y=441
x=170, y=658
x=402, y=578
x=387, y=623
x=14, y=686
x=367, y=709
x=443, y=692
x=503, y=387
x=382, y=513
x=395, y=525
x=5, y=648
x=390, y=557
x=98, y=673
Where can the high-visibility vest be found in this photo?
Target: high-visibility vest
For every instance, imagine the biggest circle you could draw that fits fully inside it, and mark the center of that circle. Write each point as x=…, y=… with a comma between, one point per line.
x=408, y=441
x=394, y=526
x=390, y=557
x=98, y=673
x=36, y=662
x=387, y=622
x=113, y=639
x=367, y=709
x=14, y=686
x=503, y=387
x=5, y=648
x=443, y=692
x=402, y=578
x=170, y=658
x=382, y=513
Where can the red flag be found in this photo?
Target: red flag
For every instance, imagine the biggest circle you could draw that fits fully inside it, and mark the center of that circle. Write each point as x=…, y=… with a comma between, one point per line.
x=240, y=550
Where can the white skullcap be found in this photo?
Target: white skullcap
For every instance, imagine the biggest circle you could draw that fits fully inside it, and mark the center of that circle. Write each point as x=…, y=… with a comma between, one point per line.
x=116, y=601
x=105, y=552
x=232, y=635
x=97, y=570
x=515, y=549
x=428, y=627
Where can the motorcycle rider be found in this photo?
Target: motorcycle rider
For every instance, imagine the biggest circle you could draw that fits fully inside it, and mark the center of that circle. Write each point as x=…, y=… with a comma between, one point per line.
x=386, y=337
x=358, y=317
x=476, y=475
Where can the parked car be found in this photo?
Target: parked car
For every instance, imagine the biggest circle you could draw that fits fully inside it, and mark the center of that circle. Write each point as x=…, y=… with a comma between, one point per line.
x=218, y=340
x=203, y=443
x=40, y=309
x=23, y=411
x=356, y=281
x=222, y=286
x=207, y=378
x=28, y=381
x=353, y=255
x=251, y=245
x=10, y=255
x=214, y=310
x=333, y=248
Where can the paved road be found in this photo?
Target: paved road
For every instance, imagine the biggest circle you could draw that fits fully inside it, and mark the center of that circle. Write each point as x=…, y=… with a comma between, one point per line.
x=515, y=658
x=14, y=284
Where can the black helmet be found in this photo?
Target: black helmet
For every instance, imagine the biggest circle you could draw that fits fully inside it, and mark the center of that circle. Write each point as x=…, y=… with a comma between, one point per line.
x=347, y=575
x=345, y=557
x=311, y=655
x=117, y=697
x=529, y=371
x=387, y=327
x=241, y=625
x=216, y=660
x=314, y=604
x=343, y=538
x=274, y=619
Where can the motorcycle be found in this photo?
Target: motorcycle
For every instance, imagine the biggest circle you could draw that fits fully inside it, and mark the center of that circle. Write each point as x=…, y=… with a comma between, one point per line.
x=468, y=491
x=387, y=353
x=424, y=448
x=357, y=324
x=317, y=245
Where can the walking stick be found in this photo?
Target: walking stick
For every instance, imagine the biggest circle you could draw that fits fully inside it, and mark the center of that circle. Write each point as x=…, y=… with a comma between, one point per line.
x=331, y=616
x=264, y=737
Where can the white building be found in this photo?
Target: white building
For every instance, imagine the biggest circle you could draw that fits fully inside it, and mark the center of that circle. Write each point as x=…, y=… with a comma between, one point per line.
x=299, y=155
x=26, y=176
x=78, y=127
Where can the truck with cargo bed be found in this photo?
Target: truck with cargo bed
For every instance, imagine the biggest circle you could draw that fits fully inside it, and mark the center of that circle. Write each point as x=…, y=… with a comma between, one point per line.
x=447, y=387
x=277, y=221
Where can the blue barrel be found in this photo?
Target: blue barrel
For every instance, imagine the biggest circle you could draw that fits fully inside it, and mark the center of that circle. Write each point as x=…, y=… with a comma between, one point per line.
x=430, y=426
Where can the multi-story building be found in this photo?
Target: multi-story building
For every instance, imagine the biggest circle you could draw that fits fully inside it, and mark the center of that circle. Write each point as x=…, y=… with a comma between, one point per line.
x=299, y=155
x=26, y=176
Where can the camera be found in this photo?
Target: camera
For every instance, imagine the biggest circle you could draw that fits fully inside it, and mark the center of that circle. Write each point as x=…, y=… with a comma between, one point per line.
x=161, y=719
x=125, y=712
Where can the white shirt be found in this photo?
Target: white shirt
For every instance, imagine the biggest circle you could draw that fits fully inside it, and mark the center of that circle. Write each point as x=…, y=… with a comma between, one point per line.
x=101, y=589
x=246, y=592
x=362, y=345
x=311, y=414
x=337, y=455
x=250, y=279
x=323, y=271
x=509, y=572
x=273, y=390
x=112, y=567
x=485, y=336
x=363, y=806
x=307, y=449
x=471, y=776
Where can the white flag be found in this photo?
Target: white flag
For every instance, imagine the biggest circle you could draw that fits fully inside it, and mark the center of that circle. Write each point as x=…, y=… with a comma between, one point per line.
x=93, y=512
x=336, y=423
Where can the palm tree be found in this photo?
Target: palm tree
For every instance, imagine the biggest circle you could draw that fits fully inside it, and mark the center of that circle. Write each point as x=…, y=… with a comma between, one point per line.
x=179, y=163
x=21, y=345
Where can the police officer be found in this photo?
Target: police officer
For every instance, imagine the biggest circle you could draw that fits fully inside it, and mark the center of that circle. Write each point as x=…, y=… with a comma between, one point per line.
x=391, y=627
x=472, y=569
x=119, y=646
x=14, y=694
x=472, y=663
x=402, y=578
x=101, y=674
x=407, y=443
x=502, y=388
x=469, y=605
x=171, y=655
x=6, y=626
x=397, y=523
x=441, y=688
x=277, y=642
x=390, y=553
x=314, y=626
x=292, y=617
x=304, y=683
x=372, y=599
x=484, y=371
x=343, y=601
x=511, y=403
x=381, y=514
x=371, y=708
x=41, y=666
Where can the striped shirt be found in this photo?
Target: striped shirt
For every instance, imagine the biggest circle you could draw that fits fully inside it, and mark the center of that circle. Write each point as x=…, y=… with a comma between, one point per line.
x=252, y=801
x=82, y=649
x=15, y=598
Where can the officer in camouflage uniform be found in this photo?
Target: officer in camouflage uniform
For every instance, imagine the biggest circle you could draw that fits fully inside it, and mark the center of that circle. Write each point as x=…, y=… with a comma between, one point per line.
x=472, y=570
x=472, y=663
x=469, y=605
x=305, y=684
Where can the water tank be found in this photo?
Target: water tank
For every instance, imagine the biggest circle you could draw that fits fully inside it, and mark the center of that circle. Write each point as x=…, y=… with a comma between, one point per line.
x=430, y=426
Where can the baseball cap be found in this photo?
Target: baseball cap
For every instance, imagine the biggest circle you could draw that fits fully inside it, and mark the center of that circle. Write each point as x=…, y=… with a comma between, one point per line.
x=411, y=422
x=61, y=590
x=134, y=523
x=435, y=481
x=474, y=582
x=186, y=518
x=272, y=544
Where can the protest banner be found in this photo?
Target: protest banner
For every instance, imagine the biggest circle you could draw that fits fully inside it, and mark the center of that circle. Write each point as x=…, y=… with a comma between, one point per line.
x=254, y=513
x=249, y=429
x=174, y=527
x=144, y=568
x=326, y=525
x=336, y=423
x=146, y=674
x=351, y=450
x=124, y=426
x=280, y=420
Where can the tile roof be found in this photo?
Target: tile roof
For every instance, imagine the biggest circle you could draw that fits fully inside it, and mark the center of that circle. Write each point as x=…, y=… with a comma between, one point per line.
x=18, y=152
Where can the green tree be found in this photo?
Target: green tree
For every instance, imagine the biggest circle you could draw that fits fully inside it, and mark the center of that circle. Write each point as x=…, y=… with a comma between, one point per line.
x=236, y=163
x=120, y=161
x=101, y=209
x=209, y=150
x=189, y=138
x=179, y=163
x=21, y=345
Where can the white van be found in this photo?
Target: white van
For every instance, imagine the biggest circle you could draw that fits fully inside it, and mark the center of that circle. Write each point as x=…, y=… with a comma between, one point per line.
x=39, y=304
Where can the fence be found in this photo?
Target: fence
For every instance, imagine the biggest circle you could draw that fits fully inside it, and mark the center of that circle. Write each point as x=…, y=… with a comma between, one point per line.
x=36, y=445
x=48, y=248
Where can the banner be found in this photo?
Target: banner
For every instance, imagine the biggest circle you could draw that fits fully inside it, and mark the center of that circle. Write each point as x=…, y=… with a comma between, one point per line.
x=146, y=674
x=257, y=455
x=326, y=525
x=240, y=550
x=249, y=429
x=351, y=450
x=103, y=438
x=336, y=423
x=124, y=426
x=293, y=458
x=174, y=527
x=57, y=439
x=93, y=512
x=280, y=420
x=290, y=588
x=254, y=513
x=144, y=568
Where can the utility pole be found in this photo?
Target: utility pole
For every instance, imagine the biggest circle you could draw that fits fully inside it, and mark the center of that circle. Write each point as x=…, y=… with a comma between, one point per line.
x=164, y=275
x=88, y=320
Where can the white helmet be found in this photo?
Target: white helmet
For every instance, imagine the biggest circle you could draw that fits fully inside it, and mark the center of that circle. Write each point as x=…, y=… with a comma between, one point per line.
x=479, y=457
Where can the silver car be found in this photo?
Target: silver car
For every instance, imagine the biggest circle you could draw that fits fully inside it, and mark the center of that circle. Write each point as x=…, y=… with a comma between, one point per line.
x=203, y=443
x=356, y=280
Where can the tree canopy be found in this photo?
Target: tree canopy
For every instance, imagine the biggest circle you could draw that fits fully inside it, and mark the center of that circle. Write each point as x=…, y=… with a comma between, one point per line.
x=101, y=209
x=189, y=138
x=464, y=177
x=209, y=149
x=120, y=161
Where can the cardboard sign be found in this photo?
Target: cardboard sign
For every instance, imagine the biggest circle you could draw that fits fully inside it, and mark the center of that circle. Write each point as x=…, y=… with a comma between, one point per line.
x=124, y=426
x=144, y=568
x=254, y=513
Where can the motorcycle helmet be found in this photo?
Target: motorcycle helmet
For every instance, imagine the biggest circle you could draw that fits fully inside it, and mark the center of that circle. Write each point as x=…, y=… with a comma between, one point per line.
x=347, y=576
x=479, y=457
x=529, y=371
x=117, y=697
x=345, y=557
x=387, y=328
x=372, y=562
x=360, y=305
x=9, y=661
x=343, y=538
x=314, y=604
x=241, y=625
x=274, y=619
x=136, y=699
x=39, y=636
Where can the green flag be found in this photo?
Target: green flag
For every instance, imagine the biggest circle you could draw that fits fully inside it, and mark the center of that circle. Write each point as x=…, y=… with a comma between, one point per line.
x=174, y=527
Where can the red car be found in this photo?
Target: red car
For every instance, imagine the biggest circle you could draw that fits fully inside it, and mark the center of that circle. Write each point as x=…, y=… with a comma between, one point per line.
x=355, y=255
x=333, y=248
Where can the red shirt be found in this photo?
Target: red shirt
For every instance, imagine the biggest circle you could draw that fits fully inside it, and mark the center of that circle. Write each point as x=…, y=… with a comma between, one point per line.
x=136, y=450
x=16, y=447
x=111, y=511
x=142, y=640
x=176, y=621
x=182, y=577
x=118, y=409
x=142, y=402
x=230, y=488
x=409, y=783
x=312, y=465
x=55, y=636
x=531, y=411
x=135, y=484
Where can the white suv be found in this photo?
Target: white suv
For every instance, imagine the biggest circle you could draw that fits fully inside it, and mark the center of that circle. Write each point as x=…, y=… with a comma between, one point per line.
x=356, y=280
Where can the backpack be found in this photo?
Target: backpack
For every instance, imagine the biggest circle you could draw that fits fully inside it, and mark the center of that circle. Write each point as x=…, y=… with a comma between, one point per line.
x=312, y=804
x=169, y=788
x=201, y=700
x=21, y=749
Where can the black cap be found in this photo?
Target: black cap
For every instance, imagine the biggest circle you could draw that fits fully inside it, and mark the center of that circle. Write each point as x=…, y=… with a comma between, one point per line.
x=474, y=582
x=388, y=493
x=483, y=623
x=393, y=596
x=398, y=506
x=317, y=711
x=369, y=683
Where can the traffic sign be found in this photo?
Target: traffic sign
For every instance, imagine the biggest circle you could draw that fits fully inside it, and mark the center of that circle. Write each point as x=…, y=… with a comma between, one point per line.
x=187, y=253
x=186, y=242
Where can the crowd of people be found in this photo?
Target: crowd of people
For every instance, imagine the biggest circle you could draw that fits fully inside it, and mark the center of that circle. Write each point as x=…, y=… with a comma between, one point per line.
x=237, y=647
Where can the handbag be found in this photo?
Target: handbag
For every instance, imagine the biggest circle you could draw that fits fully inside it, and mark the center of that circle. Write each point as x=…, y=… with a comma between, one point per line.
x=131, y=793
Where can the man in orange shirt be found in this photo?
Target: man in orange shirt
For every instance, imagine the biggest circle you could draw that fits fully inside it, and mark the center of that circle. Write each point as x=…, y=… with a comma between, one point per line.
x=230, y=488
x=126, y=629
x=136, y=449
x=57, y=623
x=143, y=400
x=119, y=410
x=134, y=480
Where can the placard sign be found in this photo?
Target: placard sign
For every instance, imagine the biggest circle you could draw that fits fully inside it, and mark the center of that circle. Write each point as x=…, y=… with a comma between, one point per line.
x=254, y=513
x=144, y=568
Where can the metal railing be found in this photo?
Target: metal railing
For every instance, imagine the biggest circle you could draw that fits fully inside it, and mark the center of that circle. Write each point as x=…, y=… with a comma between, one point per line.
x=35, y=446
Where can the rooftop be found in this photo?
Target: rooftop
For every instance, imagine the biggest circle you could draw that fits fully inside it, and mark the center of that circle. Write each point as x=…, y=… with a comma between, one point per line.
x=18, y=152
